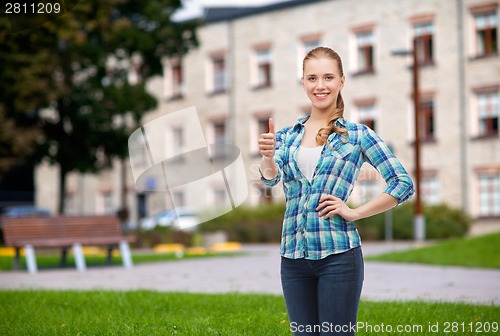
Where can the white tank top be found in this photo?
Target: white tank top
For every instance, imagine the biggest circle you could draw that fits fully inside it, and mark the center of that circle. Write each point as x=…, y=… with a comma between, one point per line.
x=307, y=160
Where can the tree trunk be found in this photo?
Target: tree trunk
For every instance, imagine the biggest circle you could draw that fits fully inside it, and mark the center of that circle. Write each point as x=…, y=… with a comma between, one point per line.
x=62, y=189
x=123, y=212
x=123, y=200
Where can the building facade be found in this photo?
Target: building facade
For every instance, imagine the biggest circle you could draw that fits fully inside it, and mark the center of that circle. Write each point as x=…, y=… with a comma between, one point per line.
x=248, y=68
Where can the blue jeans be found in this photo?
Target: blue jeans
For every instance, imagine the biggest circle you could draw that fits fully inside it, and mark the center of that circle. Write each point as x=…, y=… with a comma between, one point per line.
x=322, y=296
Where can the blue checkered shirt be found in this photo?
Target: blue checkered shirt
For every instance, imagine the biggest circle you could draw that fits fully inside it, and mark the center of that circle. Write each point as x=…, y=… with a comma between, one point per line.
x=305, y=234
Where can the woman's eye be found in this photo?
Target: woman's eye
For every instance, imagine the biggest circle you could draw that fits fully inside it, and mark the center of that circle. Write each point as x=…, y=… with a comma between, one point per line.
x=311, y=78
x=329, y=77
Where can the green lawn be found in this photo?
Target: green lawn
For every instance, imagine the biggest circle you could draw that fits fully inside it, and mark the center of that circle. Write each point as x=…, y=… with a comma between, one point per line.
x=156, y=313
x=481, y=251
x=53, y=260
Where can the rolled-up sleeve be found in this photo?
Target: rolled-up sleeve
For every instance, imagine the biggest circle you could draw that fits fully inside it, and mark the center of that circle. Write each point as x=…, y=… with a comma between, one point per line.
x=378, y=154
x=278, y=158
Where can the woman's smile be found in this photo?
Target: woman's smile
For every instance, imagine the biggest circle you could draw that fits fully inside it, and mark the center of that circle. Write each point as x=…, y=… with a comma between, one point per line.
x=321, y=96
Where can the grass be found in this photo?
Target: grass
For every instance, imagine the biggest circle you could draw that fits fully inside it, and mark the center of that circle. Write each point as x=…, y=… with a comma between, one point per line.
x=52, y=260
x=481, y=251
x=155, y=313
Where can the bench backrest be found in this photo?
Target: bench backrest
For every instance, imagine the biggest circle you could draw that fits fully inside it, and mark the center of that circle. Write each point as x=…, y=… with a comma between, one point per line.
x=54, y=227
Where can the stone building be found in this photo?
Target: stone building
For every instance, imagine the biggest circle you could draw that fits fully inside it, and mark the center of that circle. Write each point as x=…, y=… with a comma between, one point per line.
x=248, y=68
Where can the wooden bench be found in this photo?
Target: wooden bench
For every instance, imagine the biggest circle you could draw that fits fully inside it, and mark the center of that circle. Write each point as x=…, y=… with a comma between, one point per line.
x=65, y=232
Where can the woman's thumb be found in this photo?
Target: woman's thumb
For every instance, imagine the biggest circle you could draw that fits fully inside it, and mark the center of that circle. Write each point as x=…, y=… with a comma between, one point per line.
x=271, y=125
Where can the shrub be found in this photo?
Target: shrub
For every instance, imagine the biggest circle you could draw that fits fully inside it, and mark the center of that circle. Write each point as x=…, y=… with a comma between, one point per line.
x=162, y=235
x=442, y=221
x=261, y=224
x=445, y=222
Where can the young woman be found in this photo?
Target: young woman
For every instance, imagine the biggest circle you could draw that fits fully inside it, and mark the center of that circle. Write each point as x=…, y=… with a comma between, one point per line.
x=319, y=159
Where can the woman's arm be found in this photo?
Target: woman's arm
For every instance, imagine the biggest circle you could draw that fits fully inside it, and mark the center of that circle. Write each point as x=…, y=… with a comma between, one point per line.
x=377, y=153
x=268, y=168
x=331, y=205
x=399, y=185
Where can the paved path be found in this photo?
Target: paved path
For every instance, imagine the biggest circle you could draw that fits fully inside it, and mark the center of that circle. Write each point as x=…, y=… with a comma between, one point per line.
x=258, y=271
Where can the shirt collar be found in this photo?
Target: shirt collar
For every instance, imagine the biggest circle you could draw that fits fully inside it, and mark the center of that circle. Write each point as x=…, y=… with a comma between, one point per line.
x=340, y=122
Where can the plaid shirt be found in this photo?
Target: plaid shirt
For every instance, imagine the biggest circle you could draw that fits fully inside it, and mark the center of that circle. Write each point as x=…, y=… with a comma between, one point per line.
x=305, y=234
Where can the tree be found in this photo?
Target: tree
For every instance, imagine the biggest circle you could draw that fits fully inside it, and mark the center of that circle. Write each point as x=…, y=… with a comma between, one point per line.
x=72, y=87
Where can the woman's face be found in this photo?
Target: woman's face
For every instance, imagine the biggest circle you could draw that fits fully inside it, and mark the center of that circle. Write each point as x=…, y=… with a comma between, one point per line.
x=322, y=82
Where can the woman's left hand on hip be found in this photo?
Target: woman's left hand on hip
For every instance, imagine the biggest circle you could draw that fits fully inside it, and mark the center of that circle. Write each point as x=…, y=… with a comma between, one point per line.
x=330, y=205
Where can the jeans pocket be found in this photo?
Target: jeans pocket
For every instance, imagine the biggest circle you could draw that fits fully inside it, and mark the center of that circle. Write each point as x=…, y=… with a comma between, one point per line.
x=341, y=267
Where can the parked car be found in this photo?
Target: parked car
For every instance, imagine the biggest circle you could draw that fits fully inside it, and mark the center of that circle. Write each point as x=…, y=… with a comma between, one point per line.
x=183, y=218
x=164, y=218
x=24, y=211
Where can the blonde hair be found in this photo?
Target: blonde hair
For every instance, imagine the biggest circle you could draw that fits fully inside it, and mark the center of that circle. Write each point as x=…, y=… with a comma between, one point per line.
x=338, y=112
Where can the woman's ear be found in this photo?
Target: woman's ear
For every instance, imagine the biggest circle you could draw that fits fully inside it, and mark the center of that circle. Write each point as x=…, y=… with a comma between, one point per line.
x=342, y=81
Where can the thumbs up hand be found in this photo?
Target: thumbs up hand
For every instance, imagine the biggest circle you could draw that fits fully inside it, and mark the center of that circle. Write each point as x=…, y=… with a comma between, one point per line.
x=271, y=126
x=267, y=141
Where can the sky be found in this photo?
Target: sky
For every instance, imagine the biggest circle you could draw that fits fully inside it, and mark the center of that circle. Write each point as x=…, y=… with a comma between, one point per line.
x=194, y=8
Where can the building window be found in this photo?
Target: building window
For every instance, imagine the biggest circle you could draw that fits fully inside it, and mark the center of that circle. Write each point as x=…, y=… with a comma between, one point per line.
x=219, y=75
x=178, y=135
x=219, y=196
x=177, y=141
x=139, y=157
x=263, y=57
x=107, y=198
x=307, y=43
x=486, y=33
x=263, y=125
x=423, y=35
x=369, y=189
x=177, y=80
x=367, y=114
x=488, y=107
x=489, y=195
x=178, y=198
x=174, y=85
x=365, y=51
x=430, y=189
x=427, y=120
x=259, y=125
x=310, y=45
x=219, y=131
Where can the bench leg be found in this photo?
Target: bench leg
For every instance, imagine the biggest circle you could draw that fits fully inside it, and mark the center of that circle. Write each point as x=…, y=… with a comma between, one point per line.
x=79, y=258
x=16, y=264
x=30, y=259
x=126, y=255
x=109, y=257
x=64, y=256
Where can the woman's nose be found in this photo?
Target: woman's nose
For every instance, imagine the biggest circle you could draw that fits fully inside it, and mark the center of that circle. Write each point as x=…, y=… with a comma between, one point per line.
x=320, y=84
